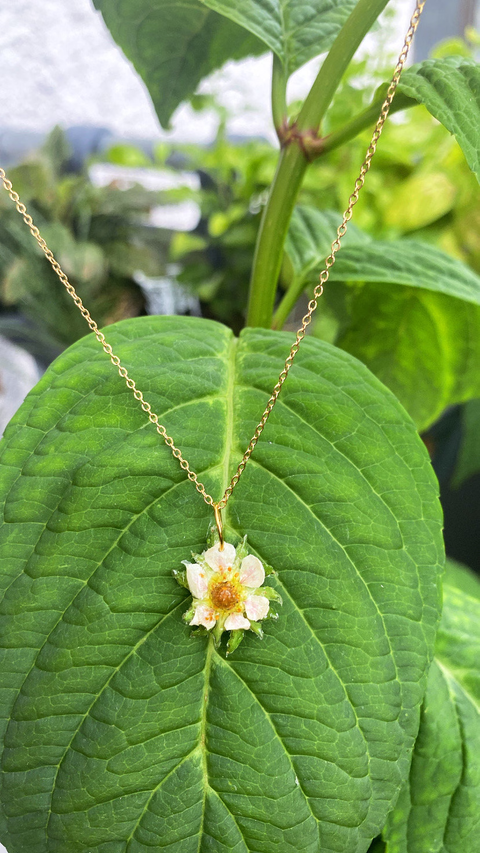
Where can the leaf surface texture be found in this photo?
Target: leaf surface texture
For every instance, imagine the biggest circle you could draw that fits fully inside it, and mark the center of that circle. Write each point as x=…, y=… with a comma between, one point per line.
x=439, y=808
x=123, y=733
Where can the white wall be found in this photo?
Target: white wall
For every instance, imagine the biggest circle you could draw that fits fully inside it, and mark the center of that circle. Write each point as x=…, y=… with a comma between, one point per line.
x=59, y=65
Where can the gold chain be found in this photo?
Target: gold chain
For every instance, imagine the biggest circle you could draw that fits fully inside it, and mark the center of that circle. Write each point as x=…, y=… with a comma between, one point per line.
x=324, y=275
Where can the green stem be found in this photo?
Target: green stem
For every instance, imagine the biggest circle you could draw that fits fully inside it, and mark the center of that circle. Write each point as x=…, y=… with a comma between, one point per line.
x=279, y=95
x=337, y=61
x=287, y=302
x=365, y=119
x=271, y=236
x=292, y=163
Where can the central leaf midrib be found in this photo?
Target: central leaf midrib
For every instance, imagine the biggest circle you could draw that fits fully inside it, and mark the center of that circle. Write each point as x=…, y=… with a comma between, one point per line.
x=202, y=740
x=229, y=411
x=277, y=735
x=199, y=747
x=228, y=444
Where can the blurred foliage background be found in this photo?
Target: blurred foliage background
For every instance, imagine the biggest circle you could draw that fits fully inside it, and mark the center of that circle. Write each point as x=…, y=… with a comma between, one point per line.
x=99, y=235
x=105, y=239
x=420, y=187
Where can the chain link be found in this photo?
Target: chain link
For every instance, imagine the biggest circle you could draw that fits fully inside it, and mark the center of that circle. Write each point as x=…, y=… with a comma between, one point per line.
x=312, y=305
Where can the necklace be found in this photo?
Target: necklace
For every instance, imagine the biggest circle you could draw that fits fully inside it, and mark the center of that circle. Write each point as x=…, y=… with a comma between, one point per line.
x=226, y=582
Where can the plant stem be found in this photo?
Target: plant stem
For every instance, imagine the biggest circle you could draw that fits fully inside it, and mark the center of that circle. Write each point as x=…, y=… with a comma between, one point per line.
x=337, y=61
x=293, y=163
x=365, y=119
x=279, y=95
x=287, y=302
x=271, y=236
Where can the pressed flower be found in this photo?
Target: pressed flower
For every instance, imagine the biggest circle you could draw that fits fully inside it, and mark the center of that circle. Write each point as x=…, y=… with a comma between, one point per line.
x=227, y=592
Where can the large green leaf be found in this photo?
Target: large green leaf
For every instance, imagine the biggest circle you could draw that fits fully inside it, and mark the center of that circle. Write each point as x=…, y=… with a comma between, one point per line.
x=121, y=732
x=174, y=45
x=449, y=87
x=413, y=315
x=438, y=809
x=296, y=30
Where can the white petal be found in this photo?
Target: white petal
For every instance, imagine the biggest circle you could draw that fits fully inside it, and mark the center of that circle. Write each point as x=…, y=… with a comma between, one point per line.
x=197, y=580
x=252, y=573
x=236, y=621
x=204, y=616
x=220, y=559
x=256, y=607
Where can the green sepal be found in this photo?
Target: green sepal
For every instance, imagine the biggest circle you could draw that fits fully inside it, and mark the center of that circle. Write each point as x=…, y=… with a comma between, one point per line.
x=180, y=576
x=200, y=561
x=242, y=549
x=217, y=632
x=257, y=629
x=269, y=570
x=272, y=613
x=234, y=641
x=199, y=631
x=189, y=614
x=270, y=593
x=212, y=535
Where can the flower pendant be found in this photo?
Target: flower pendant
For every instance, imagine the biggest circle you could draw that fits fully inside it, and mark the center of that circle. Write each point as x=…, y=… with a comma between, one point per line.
x=227, y=592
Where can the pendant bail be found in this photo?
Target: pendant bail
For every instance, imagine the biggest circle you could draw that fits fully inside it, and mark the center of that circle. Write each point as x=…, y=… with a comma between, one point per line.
x=219, y=523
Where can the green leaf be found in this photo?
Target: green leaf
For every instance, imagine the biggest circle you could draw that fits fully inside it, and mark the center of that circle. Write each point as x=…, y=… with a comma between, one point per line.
x=413, y=316
x=396, y=262
x=422, y=339
x=422, y=198
x=461, y=577
x=295, y=31
x=409, y=263
x=468, y=462
x=173, y=46
x=438, y=808
x=425, y=346
x=309, y=241
x=449, y=87
x=122, y=732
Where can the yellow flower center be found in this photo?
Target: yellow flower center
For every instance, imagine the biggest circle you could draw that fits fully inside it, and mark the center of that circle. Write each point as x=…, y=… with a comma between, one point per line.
x=224, y=595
